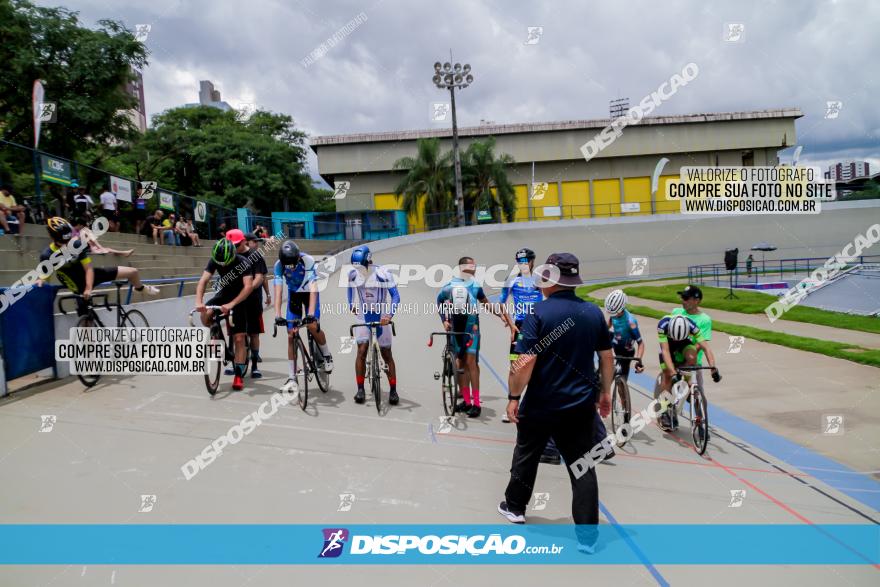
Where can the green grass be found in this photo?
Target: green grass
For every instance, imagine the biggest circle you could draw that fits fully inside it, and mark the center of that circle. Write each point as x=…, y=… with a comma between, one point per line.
x=854, y=353
x=750, y=302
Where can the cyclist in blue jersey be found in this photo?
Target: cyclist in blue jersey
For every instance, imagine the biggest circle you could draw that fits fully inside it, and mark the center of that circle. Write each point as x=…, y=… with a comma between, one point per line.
x=459, y=302
x=297, y=271
x=524, y=293
x=626, y=338
x=372, y=297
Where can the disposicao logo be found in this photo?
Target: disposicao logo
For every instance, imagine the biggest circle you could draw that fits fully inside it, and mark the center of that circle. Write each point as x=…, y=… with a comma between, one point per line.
x=334, y=541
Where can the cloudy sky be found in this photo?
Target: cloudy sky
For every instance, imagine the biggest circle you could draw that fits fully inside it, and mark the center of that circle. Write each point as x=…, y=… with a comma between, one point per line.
x=378, y=76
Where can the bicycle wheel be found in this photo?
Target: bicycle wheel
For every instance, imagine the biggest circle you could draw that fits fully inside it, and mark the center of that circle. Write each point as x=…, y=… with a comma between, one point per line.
x=699, y=419
x=135, y=319
x=620, y=407
x=375, y=382
x=321, y=376
x=212, y=375
x=247, y=355
x=303, y=375
x=87, y=380
x=450, y=385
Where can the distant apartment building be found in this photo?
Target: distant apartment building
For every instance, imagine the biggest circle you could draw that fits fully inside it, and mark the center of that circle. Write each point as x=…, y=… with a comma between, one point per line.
x=209, y=96
x=135, y=89
x=847, y=170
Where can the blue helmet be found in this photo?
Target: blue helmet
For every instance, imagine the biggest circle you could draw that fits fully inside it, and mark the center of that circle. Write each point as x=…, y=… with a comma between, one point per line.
x=361, y=256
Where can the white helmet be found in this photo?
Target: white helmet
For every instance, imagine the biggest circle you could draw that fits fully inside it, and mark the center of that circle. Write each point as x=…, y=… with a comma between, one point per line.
x=615, y=302
x=679, y=328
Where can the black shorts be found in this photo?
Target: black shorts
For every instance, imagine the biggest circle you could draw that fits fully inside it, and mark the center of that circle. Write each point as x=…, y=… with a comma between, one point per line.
x=239, y=315
x=102, y=275
x=110, y=215
x=255, y=315
x=140, y=214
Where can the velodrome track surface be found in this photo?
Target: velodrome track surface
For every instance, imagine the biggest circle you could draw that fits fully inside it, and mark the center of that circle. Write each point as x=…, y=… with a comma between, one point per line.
x=129, y=436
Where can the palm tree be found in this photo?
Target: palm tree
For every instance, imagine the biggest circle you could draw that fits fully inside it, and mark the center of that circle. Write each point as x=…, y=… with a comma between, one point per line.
x=482, y=171
x=428, y=179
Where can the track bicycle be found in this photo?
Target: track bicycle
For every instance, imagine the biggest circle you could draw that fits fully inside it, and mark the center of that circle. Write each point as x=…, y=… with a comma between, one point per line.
x=683, y=388
x=216, y=366
x=88, y=317
x=449, y=376
x=313, y=361
x=621, y=405
x=375, y=364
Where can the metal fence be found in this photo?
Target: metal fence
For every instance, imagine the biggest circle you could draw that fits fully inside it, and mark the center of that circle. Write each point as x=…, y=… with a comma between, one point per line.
x=760, y=271
x=94, y=179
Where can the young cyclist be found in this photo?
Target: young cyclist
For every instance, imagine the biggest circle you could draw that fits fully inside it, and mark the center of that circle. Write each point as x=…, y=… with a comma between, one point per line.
x=369, y=289
x=78, y=274
x=626, y=338
x=691, y=296
x=524, y=293
x=680, y=341
x=297, y=270
x=459, y=302
x=235, y=284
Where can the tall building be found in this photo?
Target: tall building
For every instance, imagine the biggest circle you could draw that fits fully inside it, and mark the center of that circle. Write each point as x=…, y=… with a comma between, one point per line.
x=135, y=89
x=847, y=170
x=209, y=96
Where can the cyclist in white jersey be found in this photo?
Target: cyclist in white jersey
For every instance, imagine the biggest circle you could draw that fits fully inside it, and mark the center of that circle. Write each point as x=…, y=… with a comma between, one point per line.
x=372, y=297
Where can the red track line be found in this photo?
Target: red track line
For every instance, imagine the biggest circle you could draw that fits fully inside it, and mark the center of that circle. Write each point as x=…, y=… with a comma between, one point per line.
x=787, y=508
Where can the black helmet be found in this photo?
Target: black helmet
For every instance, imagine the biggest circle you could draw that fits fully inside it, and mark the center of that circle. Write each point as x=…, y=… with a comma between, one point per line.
x=223, y=252
x=527, y=254
x=59, y=229
x=289, y=253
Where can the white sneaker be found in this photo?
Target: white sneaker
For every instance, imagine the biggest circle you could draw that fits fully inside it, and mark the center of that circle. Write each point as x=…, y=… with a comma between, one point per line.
x=328, y=364
x=150, y=290
x=290, y=386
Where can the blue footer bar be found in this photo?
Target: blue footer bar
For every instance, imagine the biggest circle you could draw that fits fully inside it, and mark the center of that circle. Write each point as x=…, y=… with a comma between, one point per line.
x=203, y=544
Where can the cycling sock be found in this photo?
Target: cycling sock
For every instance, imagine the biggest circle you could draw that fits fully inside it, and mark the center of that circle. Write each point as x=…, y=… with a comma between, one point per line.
x=476, y=393
x=291, y=369
x=325, y=350
x=255, y=355
x=392, y=382
x=360, y=381
x=466, y=395
x=239, y=368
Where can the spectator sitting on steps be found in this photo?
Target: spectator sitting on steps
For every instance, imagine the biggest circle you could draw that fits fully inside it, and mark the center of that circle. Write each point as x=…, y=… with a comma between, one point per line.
x=96, y=247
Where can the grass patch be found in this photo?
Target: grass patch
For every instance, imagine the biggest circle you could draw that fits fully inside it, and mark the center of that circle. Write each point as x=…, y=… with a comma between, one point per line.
x=828, y=348
x=750, y=302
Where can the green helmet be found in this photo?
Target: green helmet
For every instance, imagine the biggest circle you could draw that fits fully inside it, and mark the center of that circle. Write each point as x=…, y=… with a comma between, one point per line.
x=223, y=252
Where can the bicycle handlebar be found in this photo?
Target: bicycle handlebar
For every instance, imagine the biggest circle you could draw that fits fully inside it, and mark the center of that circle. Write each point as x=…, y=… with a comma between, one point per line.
x=372, y=325
x=619, y=358
x=447, y=334
x=695, y=368
x=194, y=310
x=294, y=324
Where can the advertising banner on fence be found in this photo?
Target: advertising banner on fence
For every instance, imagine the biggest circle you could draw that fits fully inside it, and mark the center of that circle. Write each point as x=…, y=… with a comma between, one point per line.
x=55, y=170
x=166, y=201
x=201, y=212
x=121, y=188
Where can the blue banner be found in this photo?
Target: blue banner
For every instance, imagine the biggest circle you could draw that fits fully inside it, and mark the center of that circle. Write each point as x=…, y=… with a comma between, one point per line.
x=440, y=544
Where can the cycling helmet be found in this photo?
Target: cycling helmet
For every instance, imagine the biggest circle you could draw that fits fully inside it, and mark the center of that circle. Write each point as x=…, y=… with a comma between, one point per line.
x=59, y=229
x=678, y=328
x=527, y=254
x=223, y=252
x=362, y=256
x=615, y=302
x=289, y=253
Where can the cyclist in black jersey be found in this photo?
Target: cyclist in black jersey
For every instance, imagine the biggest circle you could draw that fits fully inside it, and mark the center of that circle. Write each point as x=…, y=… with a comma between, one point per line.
x=77, y=272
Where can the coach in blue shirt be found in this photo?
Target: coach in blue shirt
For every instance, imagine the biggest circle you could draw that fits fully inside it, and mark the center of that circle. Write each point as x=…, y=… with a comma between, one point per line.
x=559, y=342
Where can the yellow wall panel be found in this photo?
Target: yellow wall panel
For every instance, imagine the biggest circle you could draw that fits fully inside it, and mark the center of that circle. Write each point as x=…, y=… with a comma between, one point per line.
x=575, y=199
x=551, y=198
x=386, y=202
x=665, y=206
x=638, y=190
x=522, y=202
x=606, y=197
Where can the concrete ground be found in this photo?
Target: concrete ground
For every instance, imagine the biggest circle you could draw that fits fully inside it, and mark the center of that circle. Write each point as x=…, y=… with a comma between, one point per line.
x=129, y=436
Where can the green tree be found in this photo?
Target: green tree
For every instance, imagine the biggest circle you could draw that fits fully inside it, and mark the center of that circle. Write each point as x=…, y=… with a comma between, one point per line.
x=484, y=180
x=84, y=71
x=428, y=180
x=207, y=153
